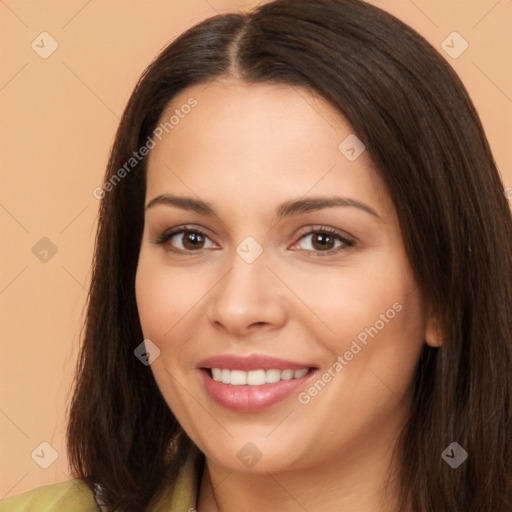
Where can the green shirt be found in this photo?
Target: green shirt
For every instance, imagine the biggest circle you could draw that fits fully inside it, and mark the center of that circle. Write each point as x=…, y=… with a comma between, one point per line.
x=75, y=496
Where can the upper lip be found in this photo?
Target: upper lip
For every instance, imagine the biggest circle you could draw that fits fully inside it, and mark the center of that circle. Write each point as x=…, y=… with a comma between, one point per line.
x=252, y=362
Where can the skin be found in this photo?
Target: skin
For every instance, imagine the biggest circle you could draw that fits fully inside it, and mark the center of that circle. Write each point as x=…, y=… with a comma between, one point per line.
x=245, y=149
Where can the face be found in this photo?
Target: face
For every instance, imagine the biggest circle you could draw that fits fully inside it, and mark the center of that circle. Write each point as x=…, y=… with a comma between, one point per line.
x=273, y=279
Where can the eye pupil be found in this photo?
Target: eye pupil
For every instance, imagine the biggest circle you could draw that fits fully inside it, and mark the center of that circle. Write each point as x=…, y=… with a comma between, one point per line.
x=194, y=239
x=322, y=239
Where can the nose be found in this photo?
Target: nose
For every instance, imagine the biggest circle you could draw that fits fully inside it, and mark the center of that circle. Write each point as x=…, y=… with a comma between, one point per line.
x=248, y=299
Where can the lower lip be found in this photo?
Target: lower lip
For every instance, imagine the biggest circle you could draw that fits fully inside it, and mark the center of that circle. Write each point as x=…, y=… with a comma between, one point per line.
x=251, y=398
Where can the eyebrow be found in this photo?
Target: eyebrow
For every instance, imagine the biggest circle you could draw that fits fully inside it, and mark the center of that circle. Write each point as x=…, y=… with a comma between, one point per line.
x=286, y=209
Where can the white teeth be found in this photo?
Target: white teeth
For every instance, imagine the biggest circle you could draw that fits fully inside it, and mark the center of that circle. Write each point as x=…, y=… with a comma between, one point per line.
x=226, y=376
x=255, y=377
x=273, y=376
x=287, y=374
x=238, y=378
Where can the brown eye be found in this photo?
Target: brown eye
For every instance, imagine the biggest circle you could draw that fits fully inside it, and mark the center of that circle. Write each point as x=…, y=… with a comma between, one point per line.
x=192, y=240
x=184, y=240
x=324, y=241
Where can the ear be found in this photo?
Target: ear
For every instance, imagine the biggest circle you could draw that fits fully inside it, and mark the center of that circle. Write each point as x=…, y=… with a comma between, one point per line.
x=434, y=336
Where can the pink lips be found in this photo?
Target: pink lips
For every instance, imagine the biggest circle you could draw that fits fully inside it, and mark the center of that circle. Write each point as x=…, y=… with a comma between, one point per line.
x=254, y=362
x=247, y=398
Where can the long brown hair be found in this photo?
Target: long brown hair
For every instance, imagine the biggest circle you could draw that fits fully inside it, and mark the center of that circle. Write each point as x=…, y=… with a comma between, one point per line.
x=415, y=117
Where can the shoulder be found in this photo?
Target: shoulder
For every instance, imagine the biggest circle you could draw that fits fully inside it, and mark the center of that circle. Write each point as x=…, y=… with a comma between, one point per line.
x=73, y=495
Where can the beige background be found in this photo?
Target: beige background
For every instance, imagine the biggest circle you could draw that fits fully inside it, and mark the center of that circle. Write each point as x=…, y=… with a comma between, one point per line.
x=59, y=116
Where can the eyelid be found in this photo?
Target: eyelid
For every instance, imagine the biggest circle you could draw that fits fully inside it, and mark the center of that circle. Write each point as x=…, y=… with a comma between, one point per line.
x=308, y=230
x=347, y=240
x=167, y=234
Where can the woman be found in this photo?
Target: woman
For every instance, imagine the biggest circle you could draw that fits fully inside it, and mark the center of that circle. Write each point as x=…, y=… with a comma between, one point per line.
x=342, y=337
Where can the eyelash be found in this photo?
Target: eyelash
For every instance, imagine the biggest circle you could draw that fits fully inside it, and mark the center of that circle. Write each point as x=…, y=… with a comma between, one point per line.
x=347, y=243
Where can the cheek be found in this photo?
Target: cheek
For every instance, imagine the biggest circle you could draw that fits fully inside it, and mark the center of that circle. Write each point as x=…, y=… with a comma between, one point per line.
x=169, y=304
x=381, y=337
x=164, y=297
x=375, y=320
x=378, y=321
x=378, y=299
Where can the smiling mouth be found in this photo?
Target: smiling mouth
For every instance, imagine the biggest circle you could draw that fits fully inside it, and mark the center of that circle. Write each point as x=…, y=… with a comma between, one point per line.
x=255, y=388
x=255, y=377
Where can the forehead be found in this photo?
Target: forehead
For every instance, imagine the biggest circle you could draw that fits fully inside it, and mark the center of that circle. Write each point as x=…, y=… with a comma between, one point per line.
x=263, y=141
